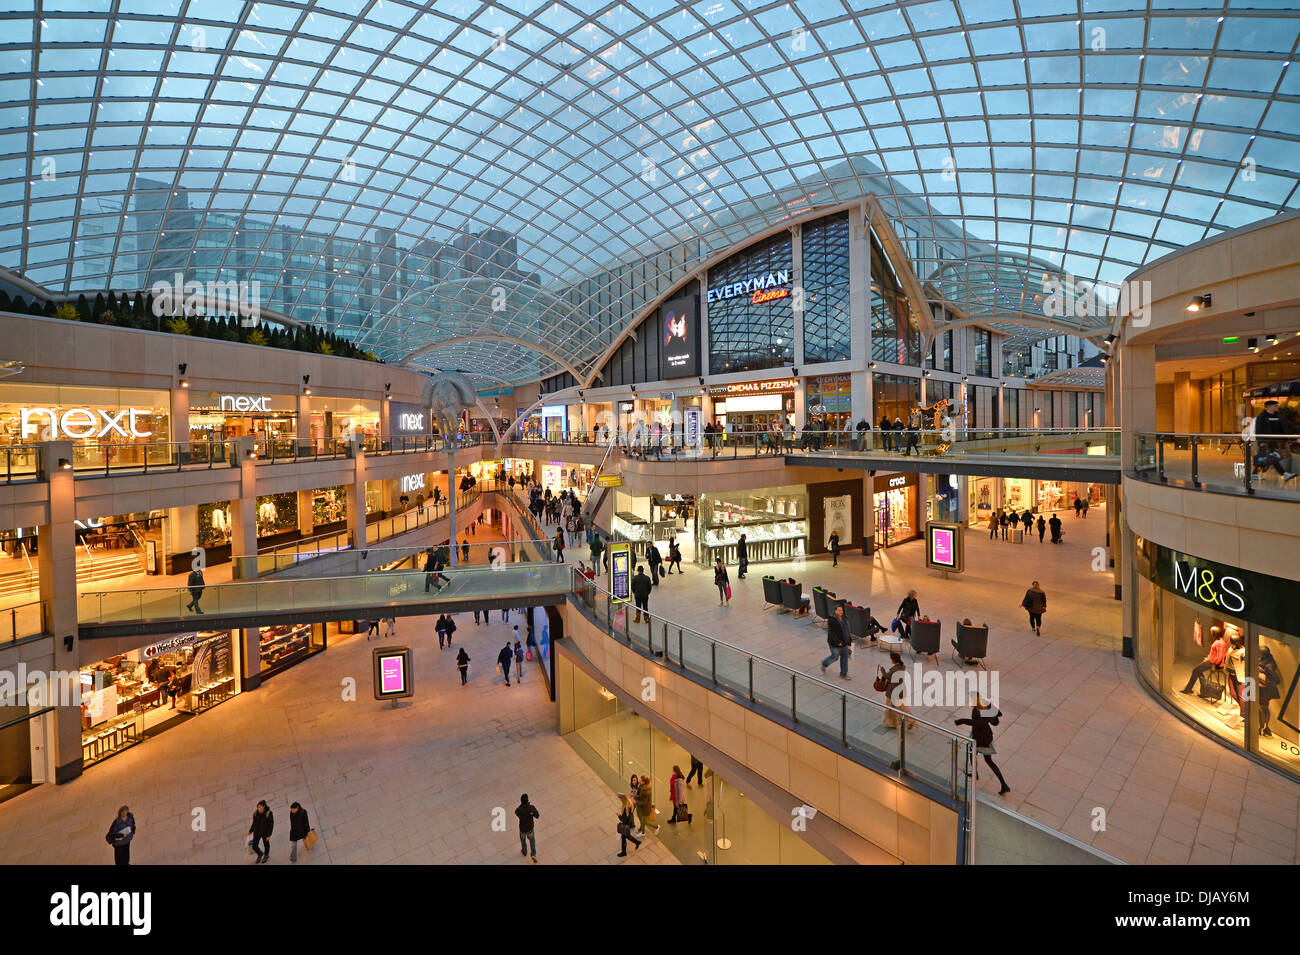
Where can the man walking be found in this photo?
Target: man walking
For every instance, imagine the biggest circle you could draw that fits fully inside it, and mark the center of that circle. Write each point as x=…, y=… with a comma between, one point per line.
x=655, y=560
x=196, y=584
x=120, y=834
x=837, y=639
x=597, y=552
x=527, y=812
x=504, y=660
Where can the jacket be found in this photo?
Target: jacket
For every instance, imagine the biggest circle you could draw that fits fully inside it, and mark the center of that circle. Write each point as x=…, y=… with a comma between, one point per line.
x=1035, y=601
x=653, y=556
x=677, y=789
x=462, y=658
x=981, y=725
x=122, y=831
x=835, y=543
x=835, y=635
x=505, y=657
x=263, y=824
x=641, y=585
x=526, y=812
x=910, y=607
x=597, y=545
x=195, y=581
x=742, y=550
x=298, y=825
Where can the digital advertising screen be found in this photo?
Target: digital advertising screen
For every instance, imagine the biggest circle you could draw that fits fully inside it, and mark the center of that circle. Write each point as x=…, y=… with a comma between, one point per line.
x=945, y=547
x=393, y=673
x=679, y=329
x=620, y=570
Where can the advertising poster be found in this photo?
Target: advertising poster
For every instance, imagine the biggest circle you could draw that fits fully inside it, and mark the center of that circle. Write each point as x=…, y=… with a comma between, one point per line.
x=837, y=513
x=679, y=334
x=392, y=673
x=620, y=570
x=945, y=548
x=691, y=427
x=392, y=677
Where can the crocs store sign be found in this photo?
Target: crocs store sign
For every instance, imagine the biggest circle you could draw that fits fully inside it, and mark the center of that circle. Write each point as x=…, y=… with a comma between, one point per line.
x=49, y=425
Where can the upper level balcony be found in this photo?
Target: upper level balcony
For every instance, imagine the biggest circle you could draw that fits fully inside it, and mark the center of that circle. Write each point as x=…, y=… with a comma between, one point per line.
x=1221, y=463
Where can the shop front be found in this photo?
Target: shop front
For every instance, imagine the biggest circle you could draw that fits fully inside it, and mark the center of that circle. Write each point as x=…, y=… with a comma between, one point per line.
x=835, y=507
x=271, y=419
x=774, y=521
x=281, y=647
x=1221, y=646
x=114, y=427
x=341, y=417
x=130, y=696
x=558, y=476
x=749, y=407
x=894, y=499
x=555, y=422
x=1027, y=494
x=830, y=402
x=942, y=497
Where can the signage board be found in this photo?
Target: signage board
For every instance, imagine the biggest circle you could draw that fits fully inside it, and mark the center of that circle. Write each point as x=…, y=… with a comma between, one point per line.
x=405, y=417
x=168, y=645
x=620, y=570
x=412, y=482
x=82, y=423
x=945, y=546
x=691, y=427
x=761, y=288
x=1262, y=599
x=755, y=387
x=679, y=328
x=609, y=480
x=393, y=673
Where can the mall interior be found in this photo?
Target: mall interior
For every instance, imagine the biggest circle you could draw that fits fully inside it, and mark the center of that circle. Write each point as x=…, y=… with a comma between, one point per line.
x=322, y=323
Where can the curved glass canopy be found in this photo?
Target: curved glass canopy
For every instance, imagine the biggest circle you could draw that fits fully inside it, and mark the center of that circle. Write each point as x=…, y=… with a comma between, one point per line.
x=499, y=187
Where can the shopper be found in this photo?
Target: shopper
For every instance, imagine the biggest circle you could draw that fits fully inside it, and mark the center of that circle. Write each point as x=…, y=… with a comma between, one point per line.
x=260, y=831
x=837, y=638
x=993, y=522
x=597, y=551
x=895, y=690
x=1055, y=525
x=1026, y=519
x=1005, y=523
x=655, y=560
x=833, y=545
x=464, y=551
x=674, y=556
x=1273, y=453
x=462, y=664
x=983, y=717
x=625, y=823
x=697, y=768
x=526, y=813
x=641, y=593
x=886, y=434
x=1035, y=602
x=558, y=546
x=504, y=661
x=742, y=556
x=445, y=627
x=196, y=584
x=722, y=582
x=298, y=829
x=1042, y=526
x=677, y=796
x=1084, y=508
x=908, y=610
x=120, y=833
x=432, y=570
x=863, y=435
x=390, y=627
x=519, y=658
x=644, y=799
x=373, y=628
x=1078, y=504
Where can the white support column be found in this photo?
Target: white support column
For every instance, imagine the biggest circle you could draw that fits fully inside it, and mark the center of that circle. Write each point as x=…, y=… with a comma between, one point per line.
x=56, y=566
x=796, y=281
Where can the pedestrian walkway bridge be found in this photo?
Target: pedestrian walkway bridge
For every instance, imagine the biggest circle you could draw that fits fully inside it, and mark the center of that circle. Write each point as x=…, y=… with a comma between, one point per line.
x=261, y=603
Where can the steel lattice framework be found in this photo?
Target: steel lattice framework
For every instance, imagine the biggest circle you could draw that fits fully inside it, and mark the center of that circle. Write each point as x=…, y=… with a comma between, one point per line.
x=501, y=187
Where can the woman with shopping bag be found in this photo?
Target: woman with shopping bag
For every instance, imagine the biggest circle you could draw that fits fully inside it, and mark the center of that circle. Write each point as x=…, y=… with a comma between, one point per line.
x=722, y=582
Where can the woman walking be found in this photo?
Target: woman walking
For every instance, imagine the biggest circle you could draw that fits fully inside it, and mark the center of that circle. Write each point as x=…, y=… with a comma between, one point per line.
x=462, y=664
x=894, y=690
x=993, y=524
x=260, y=831
x=677, y=795
x=834, y=546
x=298, y=829
x=1036, y=603
x=983, y=717
x=908, y=610
x=120, y=834
x=625, y=823
x=722, y=582
x=558, y=546
x=674, y=556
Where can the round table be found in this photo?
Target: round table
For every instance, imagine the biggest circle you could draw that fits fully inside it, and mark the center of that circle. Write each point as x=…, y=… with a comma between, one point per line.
x=891, y=642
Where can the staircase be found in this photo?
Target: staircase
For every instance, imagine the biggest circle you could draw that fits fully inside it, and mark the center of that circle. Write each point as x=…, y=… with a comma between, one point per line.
x=103, y=567
x=596, y=495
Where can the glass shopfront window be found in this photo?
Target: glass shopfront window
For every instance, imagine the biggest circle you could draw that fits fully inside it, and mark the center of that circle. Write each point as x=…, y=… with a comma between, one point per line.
x=129, y=695
x=895, y=502
x=121, y=419
x=1219, y=644
x=895, y=396
x=826, y=332
x=217, y=417
x=895, y=336
x=830, y=399
x=339, y=417
x=774, y=521
x=751, y=319
x=283, y=646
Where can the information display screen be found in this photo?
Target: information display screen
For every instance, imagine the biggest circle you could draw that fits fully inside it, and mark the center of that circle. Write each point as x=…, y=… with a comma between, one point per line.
x=945, y=546
x=620, y=571
x=393, y=673
x=679, y=328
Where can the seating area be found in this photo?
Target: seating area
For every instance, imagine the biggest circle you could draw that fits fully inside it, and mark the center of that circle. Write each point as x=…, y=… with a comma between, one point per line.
x=970, y=646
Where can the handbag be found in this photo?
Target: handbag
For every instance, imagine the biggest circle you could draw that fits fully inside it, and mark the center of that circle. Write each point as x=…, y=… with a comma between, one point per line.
x=309, y=840
x=728, y=591
x=882, y=682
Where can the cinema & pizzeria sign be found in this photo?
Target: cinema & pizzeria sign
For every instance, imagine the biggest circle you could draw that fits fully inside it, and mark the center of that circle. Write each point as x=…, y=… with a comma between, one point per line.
x=761, y=288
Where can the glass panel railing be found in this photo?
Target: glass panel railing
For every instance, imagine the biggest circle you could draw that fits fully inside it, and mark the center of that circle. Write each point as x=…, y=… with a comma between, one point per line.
x=311, y=594
x=91, y=459
x=1226, y=463
x=19, y=463
x=25, y=620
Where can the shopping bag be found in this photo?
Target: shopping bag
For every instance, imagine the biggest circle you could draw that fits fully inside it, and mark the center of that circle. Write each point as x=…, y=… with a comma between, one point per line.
x=309, y=840
x=728, y=591
x=528, y=654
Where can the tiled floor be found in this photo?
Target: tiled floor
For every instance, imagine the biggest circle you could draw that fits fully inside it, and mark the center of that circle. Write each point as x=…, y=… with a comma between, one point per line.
x=1078, y=734
x=417, y=784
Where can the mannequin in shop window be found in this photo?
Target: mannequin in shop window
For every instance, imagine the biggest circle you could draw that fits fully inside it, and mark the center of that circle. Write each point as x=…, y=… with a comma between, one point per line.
x=1236, y=668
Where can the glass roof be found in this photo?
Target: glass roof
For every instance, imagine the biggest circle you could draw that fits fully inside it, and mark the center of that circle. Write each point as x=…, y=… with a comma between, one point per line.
x=499, y=187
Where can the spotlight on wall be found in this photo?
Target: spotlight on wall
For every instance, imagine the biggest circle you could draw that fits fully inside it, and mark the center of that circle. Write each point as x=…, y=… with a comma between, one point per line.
x=871, y=364
x=65, y=464
x=925, y=374
x=388, y=390
x=964, y=379
x=184, y=382
x=306, y=380
x=701, y=381
x=1199, y=302
x=67, y=643
x=794, y=372
x=634, y=389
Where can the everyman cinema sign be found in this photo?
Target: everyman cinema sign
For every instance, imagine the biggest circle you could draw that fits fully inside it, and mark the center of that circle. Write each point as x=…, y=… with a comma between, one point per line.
x=761, y=288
